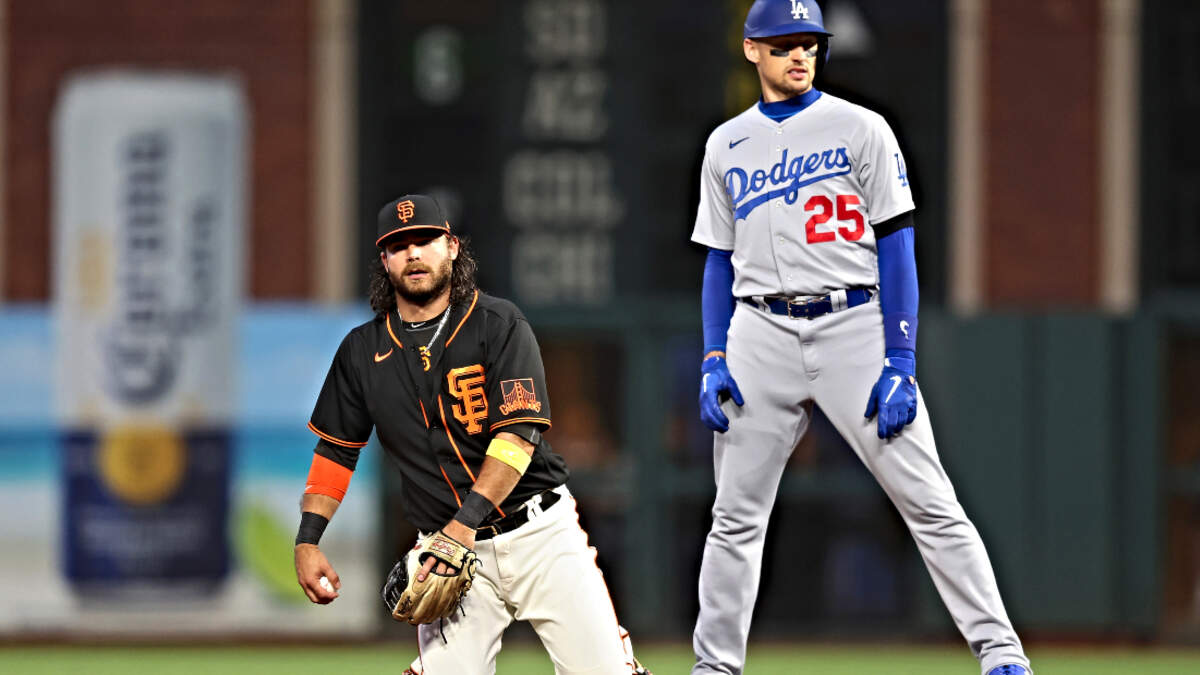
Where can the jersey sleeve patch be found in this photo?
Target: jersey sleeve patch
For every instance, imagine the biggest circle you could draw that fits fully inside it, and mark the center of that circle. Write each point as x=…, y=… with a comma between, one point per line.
x=519, y=395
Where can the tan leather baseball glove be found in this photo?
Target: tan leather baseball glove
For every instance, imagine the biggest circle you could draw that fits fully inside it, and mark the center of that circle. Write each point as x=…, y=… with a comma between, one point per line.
x=439, y=595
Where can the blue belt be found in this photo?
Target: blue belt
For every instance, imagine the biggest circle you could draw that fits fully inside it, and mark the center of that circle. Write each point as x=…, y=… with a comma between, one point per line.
x=811, y=308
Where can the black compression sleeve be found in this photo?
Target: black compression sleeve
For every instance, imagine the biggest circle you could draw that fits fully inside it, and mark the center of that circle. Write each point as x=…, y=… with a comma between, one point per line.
x=528, y=431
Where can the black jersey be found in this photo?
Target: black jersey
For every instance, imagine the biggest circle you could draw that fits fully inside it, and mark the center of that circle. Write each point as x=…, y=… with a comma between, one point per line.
x=484, y=374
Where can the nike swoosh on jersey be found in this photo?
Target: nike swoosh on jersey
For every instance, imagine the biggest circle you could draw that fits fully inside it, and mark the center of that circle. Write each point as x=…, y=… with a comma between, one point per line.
x=379, y=357
x=895, y=383
x=732, y=144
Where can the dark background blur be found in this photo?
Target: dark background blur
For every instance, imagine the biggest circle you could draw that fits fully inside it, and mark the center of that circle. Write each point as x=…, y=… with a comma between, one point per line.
x=1053, y=152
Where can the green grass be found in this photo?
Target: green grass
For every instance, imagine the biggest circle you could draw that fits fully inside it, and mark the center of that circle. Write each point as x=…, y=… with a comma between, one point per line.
x=531, y=660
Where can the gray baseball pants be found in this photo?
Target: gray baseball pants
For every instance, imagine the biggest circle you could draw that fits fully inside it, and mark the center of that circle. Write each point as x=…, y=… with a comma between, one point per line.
x=780, y=365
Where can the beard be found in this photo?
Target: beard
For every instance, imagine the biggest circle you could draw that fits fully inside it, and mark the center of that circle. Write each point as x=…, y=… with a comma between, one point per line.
x=422, y=292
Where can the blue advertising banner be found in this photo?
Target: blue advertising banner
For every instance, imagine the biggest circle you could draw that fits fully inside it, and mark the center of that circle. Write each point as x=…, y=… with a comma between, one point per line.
x=141, y=505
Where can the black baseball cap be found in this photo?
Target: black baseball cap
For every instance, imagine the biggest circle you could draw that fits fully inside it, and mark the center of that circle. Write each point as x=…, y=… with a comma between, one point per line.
x=410, y=212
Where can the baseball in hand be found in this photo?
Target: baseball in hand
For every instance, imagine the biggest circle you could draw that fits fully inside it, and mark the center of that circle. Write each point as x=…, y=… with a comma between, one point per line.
x=325, y=584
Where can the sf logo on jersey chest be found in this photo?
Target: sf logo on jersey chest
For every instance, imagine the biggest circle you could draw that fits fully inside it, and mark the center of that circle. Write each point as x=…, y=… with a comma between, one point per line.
x=471, y=406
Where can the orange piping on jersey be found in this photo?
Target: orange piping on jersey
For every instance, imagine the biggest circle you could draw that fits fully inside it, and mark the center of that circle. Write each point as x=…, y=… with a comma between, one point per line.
x=454, y=445
x=423, y=415
x=442, y=412
x=388, y=318
x=335, y=441
x=451, y=487
x=327, y=477
x=464, y=319
x=518, y=420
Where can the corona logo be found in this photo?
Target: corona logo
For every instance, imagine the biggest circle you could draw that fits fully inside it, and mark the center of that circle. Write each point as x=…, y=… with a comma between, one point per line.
x=404, y=210
x=518, y=395
x=466, y=385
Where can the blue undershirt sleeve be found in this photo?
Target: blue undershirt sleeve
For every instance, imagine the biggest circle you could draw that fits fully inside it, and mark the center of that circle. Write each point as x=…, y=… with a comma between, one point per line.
x=899, y=296
x=716, y=298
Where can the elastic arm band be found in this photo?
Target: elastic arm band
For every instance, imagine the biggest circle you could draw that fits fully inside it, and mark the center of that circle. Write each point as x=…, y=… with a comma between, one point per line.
x=312, y=526
x=509, y=453
x=327, y=477
x=474, y=509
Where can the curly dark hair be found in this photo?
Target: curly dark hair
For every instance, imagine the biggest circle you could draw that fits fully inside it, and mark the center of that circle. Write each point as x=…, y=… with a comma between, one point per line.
x=382, y=293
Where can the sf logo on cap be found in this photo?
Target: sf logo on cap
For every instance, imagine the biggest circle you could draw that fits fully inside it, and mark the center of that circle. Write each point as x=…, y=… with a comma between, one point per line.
x=405, y=210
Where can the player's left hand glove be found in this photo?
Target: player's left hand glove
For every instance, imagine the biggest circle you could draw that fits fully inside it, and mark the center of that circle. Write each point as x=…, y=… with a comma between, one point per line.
x=716, y=384
x=439, y=595
x=894, y=396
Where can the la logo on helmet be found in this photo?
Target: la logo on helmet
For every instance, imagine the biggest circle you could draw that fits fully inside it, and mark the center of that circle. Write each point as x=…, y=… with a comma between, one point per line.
x=799, y=11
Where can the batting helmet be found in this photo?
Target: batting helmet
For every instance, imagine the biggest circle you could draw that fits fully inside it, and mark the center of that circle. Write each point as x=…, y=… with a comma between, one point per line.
x=768, y=18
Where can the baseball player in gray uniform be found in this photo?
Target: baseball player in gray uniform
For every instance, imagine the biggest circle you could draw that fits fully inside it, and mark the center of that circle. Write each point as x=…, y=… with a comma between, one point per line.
x=810, y=296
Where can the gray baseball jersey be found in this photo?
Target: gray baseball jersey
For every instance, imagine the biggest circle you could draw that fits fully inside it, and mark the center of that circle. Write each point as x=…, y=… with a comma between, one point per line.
x=793, y=200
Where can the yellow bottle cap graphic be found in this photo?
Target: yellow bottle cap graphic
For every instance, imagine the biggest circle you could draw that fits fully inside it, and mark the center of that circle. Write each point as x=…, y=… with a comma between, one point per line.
x=142, y=465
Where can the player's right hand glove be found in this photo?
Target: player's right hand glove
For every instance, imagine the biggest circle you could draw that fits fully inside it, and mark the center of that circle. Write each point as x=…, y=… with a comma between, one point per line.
x=439, y=595
x=894, y=396
x=716, y=385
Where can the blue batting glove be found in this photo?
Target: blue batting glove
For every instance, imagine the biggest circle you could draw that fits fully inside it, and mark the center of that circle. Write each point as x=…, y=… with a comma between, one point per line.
x=716, y=384
x=894, y=395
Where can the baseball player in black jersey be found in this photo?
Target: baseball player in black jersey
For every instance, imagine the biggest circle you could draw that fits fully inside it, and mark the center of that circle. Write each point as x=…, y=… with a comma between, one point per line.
x=451, y=380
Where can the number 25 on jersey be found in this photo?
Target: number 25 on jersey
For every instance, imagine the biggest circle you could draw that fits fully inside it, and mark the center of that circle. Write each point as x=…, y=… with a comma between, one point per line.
x=825, y=210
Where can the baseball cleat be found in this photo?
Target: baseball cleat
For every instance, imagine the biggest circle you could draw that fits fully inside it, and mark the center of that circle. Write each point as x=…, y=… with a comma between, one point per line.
x=1010, y=669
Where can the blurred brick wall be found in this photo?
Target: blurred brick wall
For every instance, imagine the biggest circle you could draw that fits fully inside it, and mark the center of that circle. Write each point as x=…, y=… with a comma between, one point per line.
x=1042, y=129
x=266, y=42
